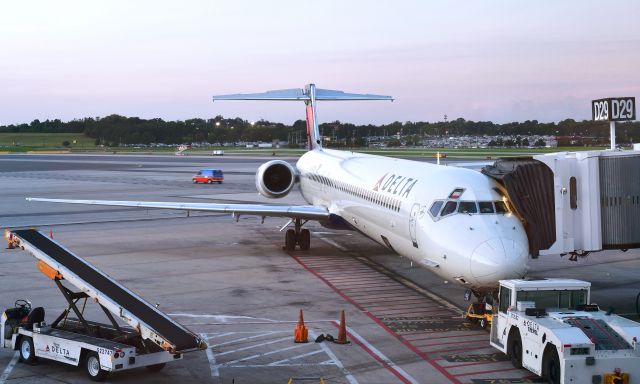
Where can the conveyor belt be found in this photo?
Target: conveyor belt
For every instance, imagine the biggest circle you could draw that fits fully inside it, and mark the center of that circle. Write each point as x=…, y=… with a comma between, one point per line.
x=160, y=323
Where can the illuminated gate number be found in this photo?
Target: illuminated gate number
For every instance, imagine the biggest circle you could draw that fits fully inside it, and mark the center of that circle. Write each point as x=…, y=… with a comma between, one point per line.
x=614, y=109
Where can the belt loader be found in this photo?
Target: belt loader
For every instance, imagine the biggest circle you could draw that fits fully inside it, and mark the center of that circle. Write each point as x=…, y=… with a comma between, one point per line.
x=151, y=338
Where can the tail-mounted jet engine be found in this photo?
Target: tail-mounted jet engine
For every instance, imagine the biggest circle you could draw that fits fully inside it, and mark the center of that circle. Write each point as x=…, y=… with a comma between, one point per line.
x=275, y=179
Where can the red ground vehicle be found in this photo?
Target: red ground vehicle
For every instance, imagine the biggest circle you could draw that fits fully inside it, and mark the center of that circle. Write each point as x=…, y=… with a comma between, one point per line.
x=209, y=176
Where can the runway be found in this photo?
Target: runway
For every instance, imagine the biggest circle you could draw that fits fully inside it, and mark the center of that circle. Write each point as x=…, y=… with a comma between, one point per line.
x=232, y=282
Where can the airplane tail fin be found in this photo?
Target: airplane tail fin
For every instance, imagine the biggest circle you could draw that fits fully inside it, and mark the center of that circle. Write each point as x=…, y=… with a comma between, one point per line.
x=310, y=95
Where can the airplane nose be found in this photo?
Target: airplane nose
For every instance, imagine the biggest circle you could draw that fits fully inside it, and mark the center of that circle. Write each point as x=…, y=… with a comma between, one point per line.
x=498, y=258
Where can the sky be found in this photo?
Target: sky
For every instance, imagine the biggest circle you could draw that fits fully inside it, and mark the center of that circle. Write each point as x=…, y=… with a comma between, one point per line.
x=479, y=60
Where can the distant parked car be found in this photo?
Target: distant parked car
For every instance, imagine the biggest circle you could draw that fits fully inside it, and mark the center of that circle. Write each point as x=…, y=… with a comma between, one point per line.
x=209, y=176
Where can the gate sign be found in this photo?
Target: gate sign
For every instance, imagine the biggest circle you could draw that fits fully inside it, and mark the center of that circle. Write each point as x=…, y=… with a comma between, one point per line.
x=614, y=109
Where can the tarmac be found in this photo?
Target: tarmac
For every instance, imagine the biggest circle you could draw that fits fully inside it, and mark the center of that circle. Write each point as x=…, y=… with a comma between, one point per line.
x=232, y=282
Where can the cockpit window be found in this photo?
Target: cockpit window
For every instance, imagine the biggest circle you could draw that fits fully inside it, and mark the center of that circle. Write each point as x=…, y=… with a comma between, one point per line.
x=486, y=207
x=501, y=207
x=467, y=207
x=449, y=208
x=435, y=208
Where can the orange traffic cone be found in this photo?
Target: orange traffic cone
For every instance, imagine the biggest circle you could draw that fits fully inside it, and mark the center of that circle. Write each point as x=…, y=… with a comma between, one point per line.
x=342, y=331
x=301, y=333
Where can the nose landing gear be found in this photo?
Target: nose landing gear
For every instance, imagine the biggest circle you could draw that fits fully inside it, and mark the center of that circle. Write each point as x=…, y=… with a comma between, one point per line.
x=297, y=236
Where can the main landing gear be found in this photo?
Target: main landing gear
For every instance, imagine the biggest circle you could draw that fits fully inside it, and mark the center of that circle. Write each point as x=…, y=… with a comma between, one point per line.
x=299, y=236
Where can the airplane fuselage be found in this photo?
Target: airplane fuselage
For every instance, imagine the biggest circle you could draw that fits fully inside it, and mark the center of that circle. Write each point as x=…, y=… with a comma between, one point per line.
x=449, y=219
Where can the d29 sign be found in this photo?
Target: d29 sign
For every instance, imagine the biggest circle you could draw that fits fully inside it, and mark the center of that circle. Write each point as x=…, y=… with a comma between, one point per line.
x=614, y=109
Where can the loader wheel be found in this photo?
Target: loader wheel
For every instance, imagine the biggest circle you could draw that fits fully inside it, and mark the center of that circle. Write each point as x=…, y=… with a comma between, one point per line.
x=484, y=323
x=551, y=366
x=27, y=351
x=156, y=367
x=515, y=349
x=92, y=365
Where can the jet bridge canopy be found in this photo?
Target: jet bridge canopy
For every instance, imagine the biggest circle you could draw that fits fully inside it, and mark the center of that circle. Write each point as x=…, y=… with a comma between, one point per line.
x=98, y=285
x=529, y=184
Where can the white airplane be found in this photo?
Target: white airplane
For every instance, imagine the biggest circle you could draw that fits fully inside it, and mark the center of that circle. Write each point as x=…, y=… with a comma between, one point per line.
x=453, y=221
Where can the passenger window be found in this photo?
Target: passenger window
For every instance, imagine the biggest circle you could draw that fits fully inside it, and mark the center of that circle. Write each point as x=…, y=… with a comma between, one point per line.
x=505, y=299
x=486, y=207
x=501, y=207
x=467, y=207
x=449, y=208
x=435, y=208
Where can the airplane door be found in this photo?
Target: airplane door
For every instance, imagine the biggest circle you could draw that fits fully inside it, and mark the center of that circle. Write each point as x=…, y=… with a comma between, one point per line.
x=413, y=220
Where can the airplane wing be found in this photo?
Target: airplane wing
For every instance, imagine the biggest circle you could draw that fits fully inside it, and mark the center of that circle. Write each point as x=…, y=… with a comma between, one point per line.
x=305, y=212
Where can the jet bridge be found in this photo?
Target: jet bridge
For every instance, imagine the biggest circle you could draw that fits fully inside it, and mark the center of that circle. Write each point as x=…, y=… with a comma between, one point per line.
x=114, y=298
x=574, y=202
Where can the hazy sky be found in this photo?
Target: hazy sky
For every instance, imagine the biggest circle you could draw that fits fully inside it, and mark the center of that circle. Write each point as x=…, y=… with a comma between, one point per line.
x=481, y=60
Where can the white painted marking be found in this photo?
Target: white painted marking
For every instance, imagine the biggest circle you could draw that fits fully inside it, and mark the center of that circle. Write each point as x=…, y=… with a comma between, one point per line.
x=213, y=367
x=209, y=336
x=243, y=339
x=265, y=354
x=295, y=357
x=329, y=241
x=338, y=363
x=9, y=368
x=328, y=362
x=221, y=318
x=255, y=345
x=382, y=356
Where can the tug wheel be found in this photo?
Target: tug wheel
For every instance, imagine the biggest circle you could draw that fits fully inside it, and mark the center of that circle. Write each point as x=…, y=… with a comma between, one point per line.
x=515, y=349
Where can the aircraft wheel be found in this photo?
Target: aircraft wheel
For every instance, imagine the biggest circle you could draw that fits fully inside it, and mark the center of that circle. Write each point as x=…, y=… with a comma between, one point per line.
x=27, y=352
x=305, y=240
x=290, y=240
x=92, y=366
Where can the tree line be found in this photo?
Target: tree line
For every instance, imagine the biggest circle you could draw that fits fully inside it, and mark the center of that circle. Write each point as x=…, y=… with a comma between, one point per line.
x=115, y=130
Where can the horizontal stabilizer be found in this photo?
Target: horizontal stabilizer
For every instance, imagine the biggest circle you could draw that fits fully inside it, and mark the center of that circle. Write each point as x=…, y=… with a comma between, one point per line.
x=297, y=94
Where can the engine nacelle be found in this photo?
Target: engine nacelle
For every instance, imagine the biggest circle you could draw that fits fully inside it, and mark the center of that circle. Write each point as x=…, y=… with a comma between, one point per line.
x=275, y=179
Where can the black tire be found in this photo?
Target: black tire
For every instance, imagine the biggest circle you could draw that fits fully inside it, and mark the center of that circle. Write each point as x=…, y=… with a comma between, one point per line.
x=209, y=181
x=92, y=367
x=515, y=349
x=483, y=323
x=156, y=367
x=551, y=368
x=472, y=320
x=290, y=240
x=304, y=240
x=27, y=351
x=195, y=181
